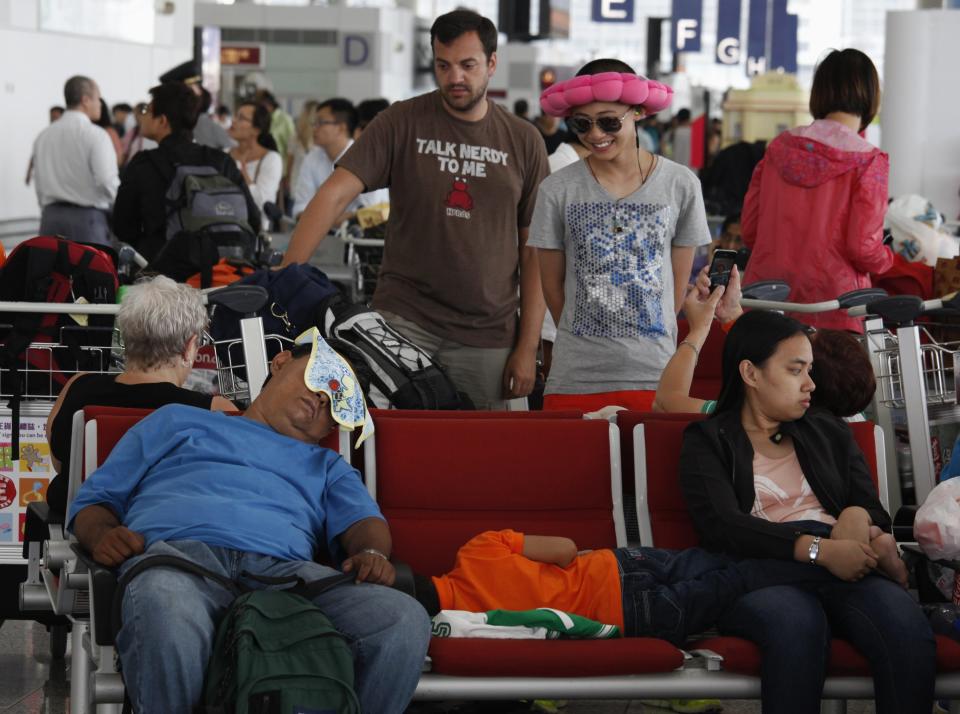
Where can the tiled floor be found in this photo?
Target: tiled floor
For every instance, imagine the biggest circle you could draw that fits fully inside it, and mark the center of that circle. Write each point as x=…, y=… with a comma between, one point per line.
x=32, y=683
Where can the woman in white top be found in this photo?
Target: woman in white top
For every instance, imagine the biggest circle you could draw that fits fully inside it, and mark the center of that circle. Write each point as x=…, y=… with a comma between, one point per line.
x=256, y=152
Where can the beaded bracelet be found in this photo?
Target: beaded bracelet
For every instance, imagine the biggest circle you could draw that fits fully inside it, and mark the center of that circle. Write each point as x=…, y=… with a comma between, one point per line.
x=692, y=346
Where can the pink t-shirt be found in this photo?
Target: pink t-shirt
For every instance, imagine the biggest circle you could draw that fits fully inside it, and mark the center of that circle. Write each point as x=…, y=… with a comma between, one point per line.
x=782, y=491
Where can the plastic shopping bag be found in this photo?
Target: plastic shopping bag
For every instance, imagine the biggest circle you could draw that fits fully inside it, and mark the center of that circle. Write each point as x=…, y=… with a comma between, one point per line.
x=914, y=225
x=937, y=525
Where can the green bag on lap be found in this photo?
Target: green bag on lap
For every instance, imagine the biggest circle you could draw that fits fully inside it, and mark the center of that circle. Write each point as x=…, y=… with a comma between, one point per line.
x=277, y=653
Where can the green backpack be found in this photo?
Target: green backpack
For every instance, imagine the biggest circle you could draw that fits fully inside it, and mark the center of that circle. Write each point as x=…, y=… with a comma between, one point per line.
x=276, y=653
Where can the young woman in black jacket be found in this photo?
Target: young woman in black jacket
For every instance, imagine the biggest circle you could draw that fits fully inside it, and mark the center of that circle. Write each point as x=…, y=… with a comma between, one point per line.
x=767, y=478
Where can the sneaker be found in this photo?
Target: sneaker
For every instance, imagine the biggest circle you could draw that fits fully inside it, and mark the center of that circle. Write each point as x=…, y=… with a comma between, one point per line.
x=686, y=706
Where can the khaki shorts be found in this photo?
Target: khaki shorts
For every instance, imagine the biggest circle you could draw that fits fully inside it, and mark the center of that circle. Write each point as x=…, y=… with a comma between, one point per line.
x=477, y=371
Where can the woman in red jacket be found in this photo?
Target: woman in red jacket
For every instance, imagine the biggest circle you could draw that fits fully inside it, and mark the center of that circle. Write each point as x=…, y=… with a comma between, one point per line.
x=813, y=214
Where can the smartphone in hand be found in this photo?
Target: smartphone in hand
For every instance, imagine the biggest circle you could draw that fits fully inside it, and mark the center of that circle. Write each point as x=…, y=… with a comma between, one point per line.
x=721, y=266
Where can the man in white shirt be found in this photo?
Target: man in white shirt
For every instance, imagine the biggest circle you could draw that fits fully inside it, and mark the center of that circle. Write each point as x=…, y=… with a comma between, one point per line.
x=333, y=128
x=75, y=167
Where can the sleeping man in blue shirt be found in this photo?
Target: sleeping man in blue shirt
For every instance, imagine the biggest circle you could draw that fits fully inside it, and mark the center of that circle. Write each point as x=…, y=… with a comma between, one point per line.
x=252, y=494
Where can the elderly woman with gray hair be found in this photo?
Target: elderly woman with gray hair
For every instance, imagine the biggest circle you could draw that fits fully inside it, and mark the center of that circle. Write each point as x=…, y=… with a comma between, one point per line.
x=160, y=322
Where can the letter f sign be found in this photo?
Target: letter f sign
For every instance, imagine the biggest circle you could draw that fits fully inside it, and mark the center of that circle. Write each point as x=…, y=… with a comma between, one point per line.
x=686, y=30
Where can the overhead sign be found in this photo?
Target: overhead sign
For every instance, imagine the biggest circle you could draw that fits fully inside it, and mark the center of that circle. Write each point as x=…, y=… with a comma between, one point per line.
x=729, y=49
x=356, y=50
x=757, y=38
x=783, y=49
x=612, y=11
x=686, y=21
x=771, y=37
x=246, y=55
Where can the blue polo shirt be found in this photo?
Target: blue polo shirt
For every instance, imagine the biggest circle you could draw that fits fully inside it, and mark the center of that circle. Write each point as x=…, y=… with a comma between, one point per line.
x=191, y=474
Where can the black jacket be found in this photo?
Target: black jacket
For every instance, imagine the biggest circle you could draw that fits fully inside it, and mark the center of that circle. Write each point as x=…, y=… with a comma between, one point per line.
x=716, y=475
x=139, y=214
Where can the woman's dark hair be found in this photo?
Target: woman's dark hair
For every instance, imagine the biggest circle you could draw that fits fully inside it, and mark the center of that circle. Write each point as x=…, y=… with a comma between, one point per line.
x=755, y=337
x=842, y=372
x=104, y=121
x=846, y=81
x=449, y=27
x=177, y=102
x=598, y=66
x=261, y=122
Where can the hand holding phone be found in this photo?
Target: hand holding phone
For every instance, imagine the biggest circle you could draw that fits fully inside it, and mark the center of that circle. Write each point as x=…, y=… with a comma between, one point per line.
x=721, y=266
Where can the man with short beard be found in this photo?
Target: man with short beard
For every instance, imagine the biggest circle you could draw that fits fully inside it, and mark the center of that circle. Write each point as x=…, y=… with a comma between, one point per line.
x=463, y=174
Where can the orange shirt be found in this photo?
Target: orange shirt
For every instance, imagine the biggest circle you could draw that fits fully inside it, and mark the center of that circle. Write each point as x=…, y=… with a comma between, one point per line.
x=491, y=573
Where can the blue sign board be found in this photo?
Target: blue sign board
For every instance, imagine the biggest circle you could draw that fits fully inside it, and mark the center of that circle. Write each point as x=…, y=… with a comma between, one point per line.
x=783, y=49
x=612, y=11
x=686, y=21
x=729, y=49
x=757, y=37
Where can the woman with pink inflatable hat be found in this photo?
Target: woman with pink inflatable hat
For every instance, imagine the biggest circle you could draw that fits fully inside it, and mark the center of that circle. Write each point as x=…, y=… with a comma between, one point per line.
x=615, y=234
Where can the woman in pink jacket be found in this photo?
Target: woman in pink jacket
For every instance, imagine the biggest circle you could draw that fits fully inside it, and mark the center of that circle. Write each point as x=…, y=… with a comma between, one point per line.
x=813, y=214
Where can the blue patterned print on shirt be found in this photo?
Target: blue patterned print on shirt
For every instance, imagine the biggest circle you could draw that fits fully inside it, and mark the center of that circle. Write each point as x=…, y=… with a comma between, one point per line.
x=619, y=276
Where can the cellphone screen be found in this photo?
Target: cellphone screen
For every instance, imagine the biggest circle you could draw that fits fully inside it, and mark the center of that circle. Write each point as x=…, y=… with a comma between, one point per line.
x=720, y=267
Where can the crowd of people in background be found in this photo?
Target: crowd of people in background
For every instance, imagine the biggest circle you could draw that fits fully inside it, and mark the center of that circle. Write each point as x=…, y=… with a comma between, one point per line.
x=268, y=148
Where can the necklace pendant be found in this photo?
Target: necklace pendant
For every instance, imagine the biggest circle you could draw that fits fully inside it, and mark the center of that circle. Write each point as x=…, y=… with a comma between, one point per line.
x=617, y=229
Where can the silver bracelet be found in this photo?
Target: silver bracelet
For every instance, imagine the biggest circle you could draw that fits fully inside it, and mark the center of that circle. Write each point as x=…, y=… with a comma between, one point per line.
x=374, y=551
x=692, y=346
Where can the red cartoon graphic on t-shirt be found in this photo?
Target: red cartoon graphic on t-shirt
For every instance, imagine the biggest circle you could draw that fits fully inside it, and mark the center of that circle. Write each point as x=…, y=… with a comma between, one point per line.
x=459, y=197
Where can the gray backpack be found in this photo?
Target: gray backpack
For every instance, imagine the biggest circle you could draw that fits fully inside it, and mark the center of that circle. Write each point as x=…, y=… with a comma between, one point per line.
x=202, y=201
x=203, y=204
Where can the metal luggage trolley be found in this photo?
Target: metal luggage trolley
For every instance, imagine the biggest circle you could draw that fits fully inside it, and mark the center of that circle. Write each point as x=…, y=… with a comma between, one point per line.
x=364, y=256
x=916, y=388
x=916, y=385
x=41, y=375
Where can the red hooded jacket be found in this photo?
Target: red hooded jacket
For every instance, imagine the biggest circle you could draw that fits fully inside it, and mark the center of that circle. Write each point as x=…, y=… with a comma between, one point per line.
x=813, y=216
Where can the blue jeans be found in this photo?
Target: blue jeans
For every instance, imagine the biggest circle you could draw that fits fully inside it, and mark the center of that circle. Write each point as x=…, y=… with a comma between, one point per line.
x=793, y=626
x=170, y=618
x=673, y=594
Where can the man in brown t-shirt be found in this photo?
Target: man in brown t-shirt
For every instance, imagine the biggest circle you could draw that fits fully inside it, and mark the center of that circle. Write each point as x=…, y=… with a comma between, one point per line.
x=463, y=175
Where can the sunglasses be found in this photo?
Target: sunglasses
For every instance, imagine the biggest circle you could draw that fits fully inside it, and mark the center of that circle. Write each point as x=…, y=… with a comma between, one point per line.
x=608, y=125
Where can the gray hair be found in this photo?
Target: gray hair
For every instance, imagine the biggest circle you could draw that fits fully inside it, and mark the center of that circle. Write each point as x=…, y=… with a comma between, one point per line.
x=157, y=318
x=76, y=88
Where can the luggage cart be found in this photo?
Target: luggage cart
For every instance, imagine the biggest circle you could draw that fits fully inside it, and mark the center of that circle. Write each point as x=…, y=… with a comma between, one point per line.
x=916, y=384
x=364, y=255
x=37, y=387
x=916, y=388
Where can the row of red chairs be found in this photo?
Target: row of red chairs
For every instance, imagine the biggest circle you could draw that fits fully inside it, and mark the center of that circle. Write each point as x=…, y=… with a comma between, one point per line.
x=441, y=478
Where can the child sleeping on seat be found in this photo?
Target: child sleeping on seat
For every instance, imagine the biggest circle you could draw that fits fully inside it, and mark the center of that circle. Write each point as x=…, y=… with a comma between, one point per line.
x=643, y=592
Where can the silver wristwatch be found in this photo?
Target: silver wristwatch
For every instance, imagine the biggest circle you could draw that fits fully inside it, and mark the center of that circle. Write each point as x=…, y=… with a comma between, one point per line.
x=814, y=550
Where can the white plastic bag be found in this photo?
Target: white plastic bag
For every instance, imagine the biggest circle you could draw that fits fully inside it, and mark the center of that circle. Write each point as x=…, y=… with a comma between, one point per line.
x=915, y=224
x=937, y=526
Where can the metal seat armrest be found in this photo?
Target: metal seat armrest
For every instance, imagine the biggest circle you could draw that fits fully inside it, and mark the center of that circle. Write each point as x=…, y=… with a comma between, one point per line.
x=37, y=526
x=103, y=586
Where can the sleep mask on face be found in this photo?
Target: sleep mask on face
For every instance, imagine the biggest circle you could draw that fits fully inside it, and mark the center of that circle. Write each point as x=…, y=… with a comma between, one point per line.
x=328, y=372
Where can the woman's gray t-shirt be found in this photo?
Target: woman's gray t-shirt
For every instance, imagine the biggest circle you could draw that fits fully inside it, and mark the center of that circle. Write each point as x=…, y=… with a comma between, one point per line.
x=618, y=328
